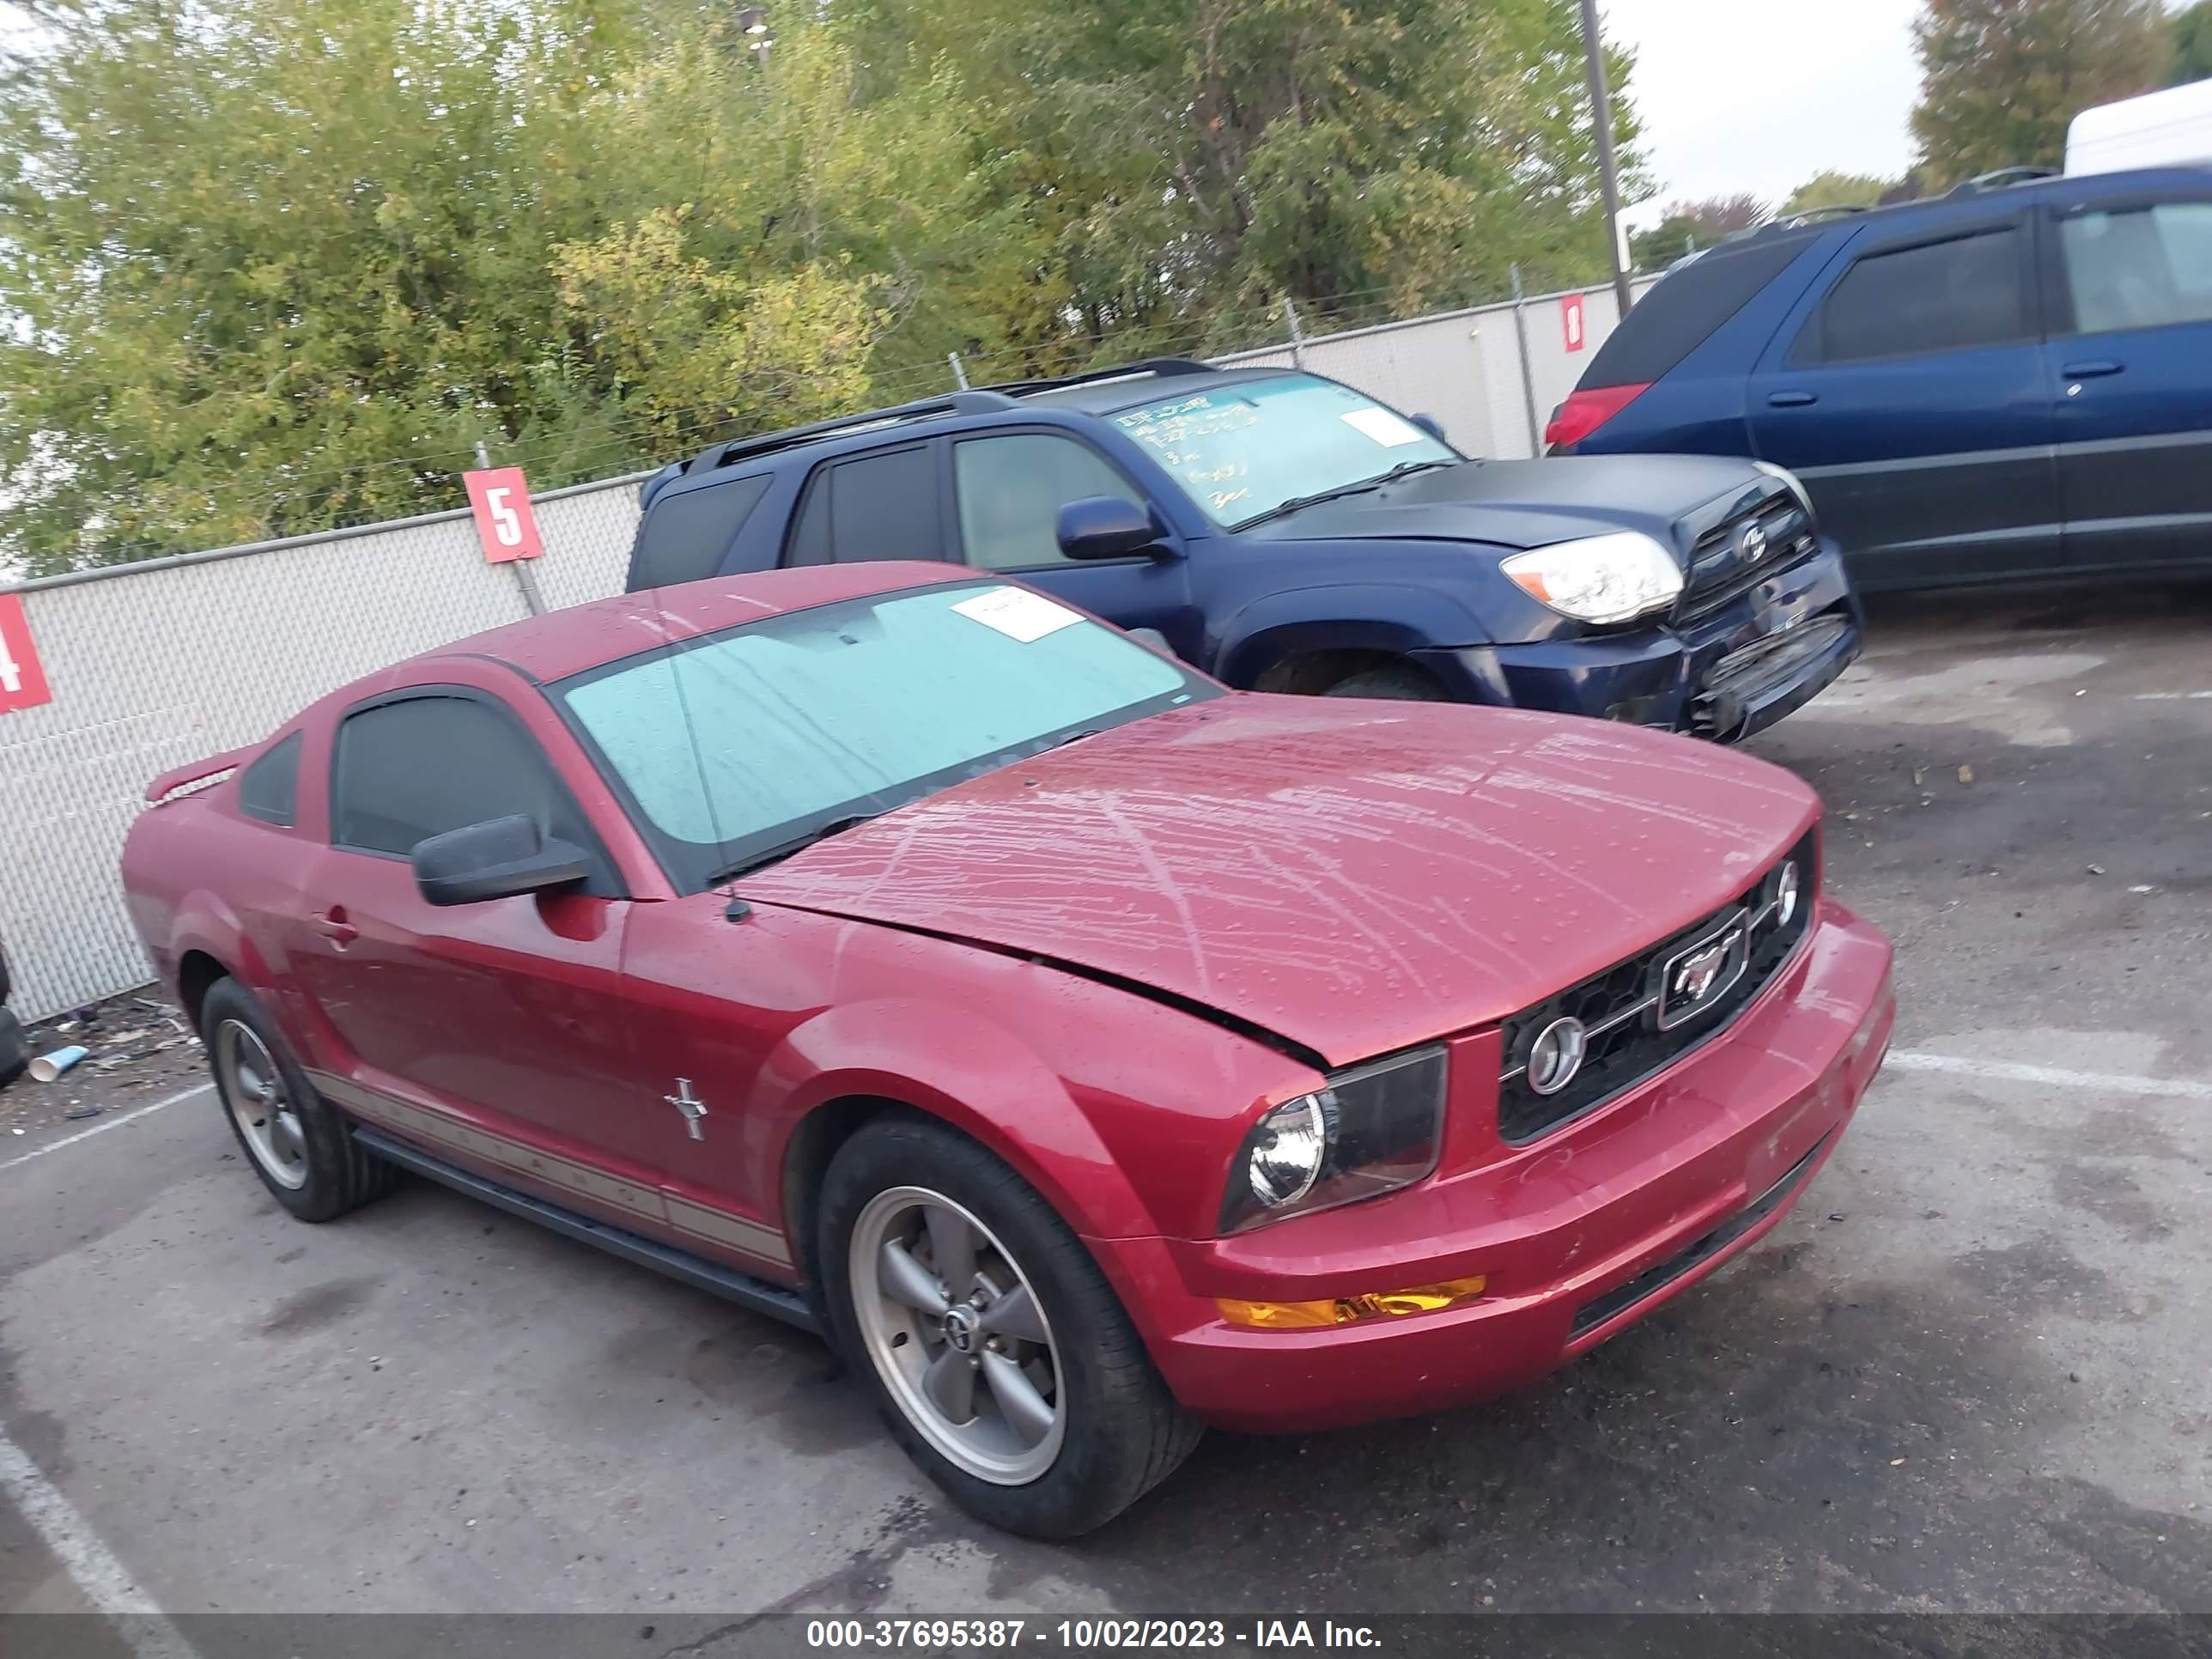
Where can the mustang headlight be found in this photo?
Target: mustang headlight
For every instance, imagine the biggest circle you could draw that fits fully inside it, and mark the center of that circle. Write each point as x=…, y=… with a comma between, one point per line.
x=1600, y=579
x=1373, y=1129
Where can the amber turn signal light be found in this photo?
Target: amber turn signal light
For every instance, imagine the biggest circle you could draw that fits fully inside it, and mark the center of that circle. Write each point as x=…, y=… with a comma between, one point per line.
x=1350, y=1309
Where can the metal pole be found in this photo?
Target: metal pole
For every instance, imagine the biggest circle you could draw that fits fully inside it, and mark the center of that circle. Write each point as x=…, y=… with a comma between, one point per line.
x=524, y=577
x=1297, y=337
x=1608, y=175
x=959, y=370
x=1527, y=372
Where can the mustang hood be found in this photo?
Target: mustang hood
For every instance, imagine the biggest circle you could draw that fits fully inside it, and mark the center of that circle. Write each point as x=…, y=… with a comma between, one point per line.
x=1524, y=504
x=1354, y=876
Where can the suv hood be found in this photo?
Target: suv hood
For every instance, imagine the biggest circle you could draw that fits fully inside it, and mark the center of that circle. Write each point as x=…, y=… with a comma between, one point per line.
x=1525, y=504
x=1353, y=877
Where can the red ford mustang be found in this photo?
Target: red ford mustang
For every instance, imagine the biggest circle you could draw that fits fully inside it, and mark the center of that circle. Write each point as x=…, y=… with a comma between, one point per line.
x=1093, y=1052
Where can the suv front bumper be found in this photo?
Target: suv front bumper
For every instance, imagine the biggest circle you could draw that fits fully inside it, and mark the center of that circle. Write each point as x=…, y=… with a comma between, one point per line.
x=1723, y=676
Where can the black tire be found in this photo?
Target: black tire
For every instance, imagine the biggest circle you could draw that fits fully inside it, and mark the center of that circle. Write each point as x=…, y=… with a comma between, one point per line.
x=1399, y=682
x=14, y=1048
x=1124, y=1434
x=341, y=1175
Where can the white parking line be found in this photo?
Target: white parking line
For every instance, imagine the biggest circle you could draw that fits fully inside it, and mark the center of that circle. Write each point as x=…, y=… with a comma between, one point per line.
x=131, y=1116
x=2006, y=1071
x=2174, y=696
x=89, y=1562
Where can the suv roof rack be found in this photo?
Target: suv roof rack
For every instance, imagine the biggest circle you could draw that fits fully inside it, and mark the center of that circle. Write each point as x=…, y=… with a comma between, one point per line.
x=2001, y=179
x=1157, y=366
x=951, y=402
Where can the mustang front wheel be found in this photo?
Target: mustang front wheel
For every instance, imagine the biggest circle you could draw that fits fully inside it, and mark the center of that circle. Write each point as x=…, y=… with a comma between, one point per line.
x=998, y=1353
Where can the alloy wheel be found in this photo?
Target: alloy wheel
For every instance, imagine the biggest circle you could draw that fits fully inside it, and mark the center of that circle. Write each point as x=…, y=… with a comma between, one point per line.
x=956, y=1331
x=254, y=1092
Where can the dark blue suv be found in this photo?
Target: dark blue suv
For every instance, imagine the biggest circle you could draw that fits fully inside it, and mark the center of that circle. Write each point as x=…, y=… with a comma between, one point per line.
x=1287, y=533
x=2010, y=382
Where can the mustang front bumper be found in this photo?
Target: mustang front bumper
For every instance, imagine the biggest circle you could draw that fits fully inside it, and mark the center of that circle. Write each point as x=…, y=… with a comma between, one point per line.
x=1578, y=1233
x=1725, y=675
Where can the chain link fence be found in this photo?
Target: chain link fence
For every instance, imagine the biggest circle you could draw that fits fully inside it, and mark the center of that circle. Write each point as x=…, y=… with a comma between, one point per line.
x=154, y=665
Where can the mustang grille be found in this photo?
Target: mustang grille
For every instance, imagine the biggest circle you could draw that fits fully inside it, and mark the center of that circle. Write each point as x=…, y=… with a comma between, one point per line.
x=1635, y=1025
x=1718, y=570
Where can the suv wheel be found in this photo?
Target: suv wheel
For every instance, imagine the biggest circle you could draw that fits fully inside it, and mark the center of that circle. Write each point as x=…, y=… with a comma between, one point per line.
x=996, y=1351
x=301, y=1148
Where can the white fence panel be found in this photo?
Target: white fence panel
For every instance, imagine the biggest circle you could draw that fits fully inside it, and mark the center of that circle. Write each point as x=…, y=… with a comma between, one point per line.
x=155, y=666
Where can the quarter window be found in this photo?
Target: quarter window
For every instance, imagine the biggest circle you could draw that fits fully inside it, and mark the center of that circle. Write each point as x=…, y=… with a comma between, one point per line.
x=407, y=770
x=2147, y=267
x=1011, y=491
x=1944, y=296
x=686, y=532
x=269, y=788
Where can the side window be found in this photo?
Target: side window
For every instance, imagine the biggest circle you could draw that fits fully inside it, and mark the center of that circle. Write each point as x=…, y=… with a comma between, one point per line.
x=269, y=788
x=687, y=532
x=884, y=507
x=2144, y=267
x=1011, y=490
x=874, y=506
x=405, y=771
x=1969, y=291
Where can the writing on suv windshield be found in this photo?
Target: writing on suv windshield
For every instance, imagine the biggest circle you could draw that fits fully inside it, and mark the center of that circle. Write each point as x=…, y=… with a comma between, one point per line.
x=749, y=744
x=1245, y=451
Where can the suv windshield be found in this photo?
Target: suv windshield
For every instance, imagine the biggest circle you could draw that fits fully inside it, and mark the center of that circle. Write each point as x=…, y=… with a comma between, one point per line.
x=742, y=746
x=1245, y=450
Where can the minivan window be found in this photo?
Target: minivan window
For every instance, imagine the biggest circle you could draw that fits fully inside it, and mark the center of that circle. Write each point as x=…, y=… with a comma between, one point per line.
x=2143, y=267
x=1941, y=296
x=736, y=743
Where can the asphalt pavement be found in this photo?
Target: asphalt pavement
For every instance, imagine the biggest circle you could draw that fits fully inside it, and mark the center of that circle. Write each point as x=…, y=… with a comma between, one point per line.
x=1972, y=1371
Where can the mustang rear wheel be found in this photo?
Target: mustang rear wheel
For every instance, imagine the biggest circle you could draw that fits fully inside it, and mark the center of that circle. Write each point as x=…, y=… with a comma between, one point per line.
x=301, y=1148
x=997, y=1351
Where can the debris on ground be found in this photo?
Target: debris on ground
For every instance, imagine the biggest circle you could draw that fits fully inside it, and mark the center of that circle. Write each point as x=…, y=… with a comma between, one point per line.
x=138, y=1047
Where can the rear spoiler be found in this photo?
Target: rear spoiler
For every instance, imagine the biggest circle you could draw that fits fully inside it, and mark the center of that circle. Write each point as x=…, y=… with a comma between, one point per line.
x=197, y=772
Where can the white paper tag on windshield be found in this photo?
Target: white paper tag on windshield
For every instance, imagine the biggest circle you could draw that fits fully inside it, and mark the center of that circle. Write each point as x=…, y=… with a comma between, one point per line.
x=1017, y=613
x=1388, y=429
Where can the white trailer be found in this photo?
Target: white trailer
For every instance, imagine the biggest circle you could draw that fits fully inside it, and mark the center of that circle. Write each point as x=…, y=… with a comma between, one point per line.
x=2167, y=128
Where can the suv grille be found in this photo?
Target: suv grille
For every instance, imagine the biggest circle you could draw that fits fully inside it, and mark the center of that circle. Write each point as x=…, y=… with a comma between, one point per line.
x=1718, y=569
x=1636, y=1023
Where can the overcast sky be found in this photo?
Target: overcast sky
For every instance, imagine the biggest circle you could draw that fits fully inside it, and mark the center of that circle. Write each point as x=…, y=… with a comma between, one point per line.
x=1759, y=96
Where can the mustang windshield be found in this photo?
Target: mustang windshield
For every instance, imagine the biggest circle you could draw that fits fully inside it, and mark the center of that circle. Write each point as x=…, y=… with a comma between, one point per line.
x=1243, y=450
x=751, y=744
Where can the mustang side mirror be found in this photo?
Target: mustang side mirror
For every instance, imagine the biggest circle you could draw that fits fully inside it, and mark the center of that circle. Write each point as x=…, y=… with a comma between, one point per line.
x=1432, y=426
x=496, y=859
x=1107, y=527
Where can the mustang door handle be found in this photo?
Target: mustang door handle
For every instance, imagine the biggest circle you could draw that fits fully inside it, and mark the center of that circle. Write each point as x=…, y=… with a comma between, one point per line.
x=1792, y=400
x=332, y=924
x=2091, y=371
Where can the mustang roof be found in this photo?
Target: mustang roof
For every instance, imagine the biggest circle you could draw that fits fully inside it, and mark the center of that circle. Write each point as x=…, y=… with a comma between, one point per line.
x=569, y=641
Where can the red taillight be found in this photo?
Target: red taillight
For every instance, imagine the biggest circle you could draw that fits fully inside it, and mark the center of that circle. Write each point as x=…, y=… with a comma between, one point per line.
x=1586, y=411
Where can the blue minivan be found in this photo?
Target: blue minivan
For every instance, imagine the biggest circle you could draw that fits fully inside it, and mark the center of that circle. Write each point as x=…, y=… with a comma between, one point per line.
x=2008, y=383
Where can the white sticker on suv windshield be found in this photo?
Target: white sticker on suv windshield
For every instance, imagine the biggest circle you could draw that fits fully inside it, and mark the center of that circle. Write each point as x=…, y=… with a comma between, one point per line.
x=1017, y=613
x=1388, y=429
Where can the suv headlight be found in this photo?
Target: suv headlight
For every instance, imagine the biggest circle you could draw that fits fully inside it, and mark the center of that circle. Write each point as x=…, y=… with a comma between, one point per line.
x=1372, y=1129
x=1600, y=579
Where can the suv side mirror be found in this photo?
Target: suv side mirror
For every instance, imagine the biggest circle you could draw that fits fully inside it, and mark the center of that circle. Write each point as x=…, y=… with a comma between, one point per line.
x=1106, y=527
x=1432, y=426
x=496, y=859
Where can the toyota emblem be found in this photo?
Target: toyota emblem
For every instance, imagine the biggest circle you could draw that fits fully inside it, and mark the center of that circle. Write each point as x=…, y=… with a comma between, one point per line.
x=1754, y=544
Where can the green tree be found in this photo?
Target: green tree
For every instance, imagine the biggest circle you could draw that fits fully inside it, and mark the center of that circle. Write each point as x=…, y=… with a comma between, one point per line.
x=2190, y=31
x=1833, y=190
x=2001, y=79
x=1689, y=226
